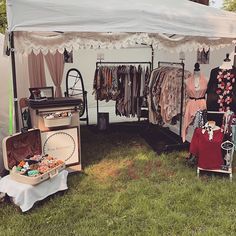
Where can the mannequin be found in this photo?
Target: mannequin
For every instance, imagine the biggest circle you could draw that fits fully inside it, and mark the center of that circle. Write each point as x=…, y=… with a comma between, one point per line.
x=221, y=91
x=196, y=75
x=196, y=88
x=227, y=64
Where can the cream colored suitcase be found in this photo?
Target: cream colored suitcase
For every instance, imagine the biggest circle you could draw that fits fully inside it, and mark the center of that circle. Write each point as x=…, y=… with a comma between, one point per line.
x=21, y=146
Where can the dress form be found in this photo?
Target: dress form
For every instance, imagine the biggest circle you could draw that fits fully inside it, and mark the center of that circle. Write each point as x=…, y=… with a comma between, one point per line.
x=196, y=80
x=227, y=64
x=221, y=91
x=196, y=75
x=196, y=88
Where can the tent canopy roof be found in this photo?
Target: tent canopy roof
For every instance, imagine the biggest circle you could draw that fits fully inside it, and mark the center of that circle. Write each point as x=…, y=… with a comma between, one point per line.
x=181, y=17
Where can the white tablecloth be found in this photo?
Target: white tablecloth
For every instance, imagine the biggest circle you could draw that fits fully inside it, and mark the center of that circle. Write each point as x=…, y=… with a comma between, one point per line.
x=25, y=195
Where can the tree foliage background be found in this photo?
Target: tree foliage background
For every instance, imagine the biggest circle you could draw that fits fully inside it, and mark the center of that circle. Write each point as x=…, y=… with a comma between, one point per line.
x=3, y=16
x=229, y=5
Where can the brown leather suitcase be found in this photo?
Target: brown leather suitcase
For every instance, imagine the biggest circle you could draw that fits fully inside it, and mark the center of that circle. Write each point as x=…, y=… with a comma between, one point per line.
x=21, y=146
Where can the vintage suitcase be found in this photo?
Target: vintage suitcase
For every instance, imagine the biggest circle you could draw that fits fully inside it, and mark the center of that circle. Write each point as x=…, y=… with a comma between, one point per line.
x=20, y=147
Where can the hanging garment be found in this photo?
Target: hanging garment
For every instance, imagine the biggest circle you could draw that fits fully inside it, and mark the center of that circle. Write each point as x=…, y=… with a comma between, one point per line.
x=195, y=102
x=128, y=89
x=157, y=78
x=234, y=135
x=122, y=84
x=120, y=103
x=208, y=151
x=146, y=90
x=154, y=91
x=114, y=88
x=170, y=99
x=142, y=82
x=227, y=122
x=200, y=119
x=133, y=78
x=221, y=90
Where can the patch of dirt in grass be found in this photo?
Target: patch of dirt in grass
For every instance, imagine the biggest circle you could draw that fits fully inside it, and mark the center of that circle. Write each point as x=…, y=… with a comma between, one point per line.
x=151, y=166
x=156, y=167
x=132, y=171
x=167, y=174
x=109, y=169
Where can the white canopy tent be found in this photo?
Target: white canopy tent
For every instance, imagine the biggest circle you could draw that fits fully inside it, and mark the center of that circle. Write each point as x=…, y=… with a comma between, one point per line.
x=151, y=16
x=115, y=24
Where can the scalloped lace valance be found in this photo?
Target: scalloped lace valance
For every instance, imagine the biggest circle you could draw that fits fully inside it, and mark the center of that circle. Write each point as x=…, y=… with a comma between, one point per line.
x=26, y=42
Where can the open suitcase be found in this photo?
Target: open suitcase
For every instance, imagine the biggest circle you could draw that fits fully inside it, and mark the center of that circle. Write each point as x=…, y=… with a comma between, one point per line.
x=20, y=146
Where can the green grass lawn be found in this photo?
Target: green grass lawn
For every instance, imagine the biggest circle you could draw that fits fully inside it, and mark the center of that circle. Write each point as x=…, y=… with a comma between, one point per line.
x=127, y=189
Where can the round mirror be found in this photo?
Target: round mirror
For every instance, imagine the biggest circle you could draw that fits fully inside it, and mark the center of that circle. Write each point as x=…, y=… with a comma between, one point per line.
x=75, y=87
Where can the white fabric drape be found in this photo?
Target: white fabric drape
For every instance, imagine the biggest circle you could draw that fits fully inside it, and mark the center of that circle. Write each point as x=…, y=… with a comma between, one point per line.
x=26, y=42
x=55, y=63
x=25, y=195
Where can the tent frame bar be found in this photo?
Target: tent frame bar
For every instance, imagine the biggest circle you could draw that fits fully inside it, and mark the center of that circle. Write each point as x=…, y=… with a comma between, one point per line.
x=13, y=63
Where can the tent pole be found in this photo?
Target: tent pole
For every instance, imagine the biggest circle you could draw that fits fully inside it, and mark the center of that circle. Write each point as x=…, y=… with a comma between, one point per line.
x=152, y=56
x=13, y=65
x=234, y=56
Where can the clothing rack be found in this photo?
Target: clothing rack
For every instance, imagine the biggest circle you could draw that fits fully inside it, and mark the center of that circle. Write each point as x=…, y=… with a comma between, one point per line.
x=181, y=64
x=99, y=63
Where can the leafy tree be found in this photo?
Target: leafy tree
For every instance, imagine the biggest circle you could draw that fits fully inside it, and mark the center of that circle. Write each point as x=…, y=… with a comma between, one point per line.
x=3, y=16
x=229, y=5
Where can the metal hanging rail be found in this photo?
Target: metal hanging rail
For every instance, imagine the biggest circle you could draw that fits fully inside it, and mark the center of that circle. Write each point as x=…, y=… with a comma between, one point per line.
x=99, y=63
x=182, y=65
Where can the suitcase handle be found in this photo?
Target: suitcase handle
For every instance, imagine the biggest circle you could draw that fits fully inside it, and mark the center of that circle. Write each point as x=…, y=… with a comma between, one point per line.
x=53, y=175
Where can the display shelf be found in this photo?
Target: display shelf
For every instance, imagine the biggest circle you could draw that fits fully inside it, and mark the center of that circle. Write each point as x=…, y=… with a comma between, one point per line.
x=229, y=172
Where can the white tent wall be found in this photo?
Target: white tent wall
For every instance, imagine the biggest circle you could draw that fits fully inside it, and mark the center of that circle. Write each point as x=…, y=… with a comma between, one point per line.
x=22, y=79
x=85, y=61
x=5, y=91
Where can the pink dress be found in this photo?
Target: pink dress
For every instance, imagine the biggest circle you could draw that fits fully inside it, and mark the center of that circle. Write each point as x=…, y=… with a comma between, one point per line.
x=194, y=105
